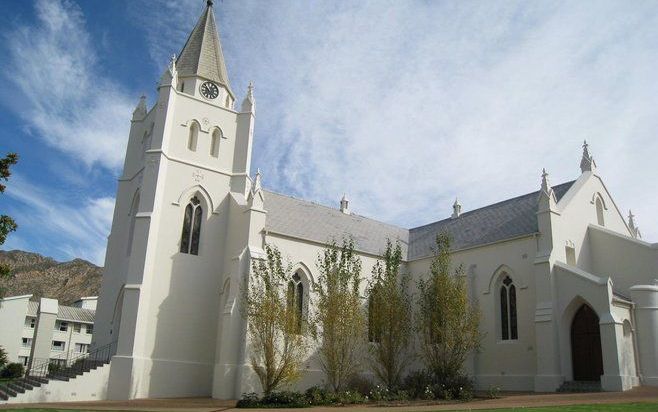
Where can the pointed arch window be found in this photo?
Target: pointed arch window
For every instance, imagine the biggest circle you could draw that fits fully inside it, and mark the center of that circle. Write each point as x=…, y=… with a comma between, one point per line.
x=509, y=330
x=214, y=143
x=296, y=300
x=194, y=136
x=599, y=212
x=191, y=227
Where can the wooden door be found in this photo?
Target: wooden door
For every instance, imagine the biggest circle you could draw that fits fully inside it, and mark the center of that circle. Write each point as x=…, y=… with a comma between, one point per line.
x=586, y=354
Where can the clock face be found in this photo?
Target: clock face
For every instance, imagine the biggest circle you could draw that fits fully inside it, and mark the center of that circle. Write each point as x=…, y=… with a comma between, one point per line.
x=209, y=90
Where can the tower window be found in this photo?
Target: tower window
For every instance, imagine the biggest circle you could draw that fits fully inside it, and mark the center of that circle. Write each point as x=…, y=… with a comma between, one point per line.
x=509, y=329
x=194, y=135
x=131, y=229
x=296, y=300
x=214, y=144
x=191, y=227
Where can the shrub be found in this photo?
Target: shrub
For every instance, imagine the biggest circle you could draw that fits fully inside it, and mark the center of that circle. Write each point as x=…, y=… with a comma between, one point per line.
x=456, y=387
x=12, y=371
x=249, y=400
x=418, y=385
x=494, y=392
x=361, y=384
x=285, y=399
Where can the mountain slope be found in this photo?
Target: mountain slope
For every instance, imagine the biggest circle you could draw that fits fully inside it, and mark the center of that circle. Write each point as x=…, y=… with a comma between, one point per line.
x=42, y=276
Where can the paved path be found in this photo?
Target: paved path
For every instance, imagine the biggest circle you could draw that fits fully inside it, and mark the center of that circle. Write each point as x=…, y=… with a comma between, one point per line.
x=507, y=400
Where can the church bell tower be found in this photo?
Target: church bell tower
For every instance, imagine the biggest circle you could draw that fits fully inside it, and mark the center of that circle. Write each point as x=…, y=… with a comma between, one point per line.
x=169, y=255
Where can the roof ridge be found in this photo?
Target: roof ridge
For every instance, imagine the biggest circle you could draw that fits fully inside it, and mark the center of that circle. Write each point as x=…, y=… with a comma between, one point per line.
x=489, y=206
x=337, y=211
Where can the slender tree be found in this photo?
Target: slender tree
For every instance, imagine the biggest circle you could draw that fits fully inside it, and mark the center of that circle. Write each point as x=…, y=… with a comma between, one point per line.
x=389, y=318
x=3, y=357
x=339, y=320
x=447, y=322
x=7, y=224
x=278, y=345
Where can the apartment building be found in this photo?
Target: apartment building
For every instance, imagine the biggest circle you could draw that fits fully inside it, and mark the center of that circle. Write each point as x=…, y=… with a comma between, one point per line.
x=44, y=331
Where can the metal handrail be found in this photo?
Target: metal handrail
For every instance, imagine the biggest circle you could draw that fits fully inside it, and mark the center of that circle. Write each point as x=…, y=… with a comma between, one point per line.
x=74, y=367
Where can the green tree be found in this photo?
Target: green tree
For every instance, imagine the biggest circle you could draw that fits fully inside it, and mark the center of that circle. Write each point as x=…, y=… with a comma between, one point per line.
x=447, y=322
x=339, y=321
x=389, y=318
x=7, y=224
x=278, y=346
x=3, y=357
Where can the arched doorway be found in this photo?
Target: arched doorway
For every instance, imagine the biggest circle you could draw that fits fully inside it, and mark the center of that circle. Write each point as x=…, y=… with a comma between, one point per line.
x=586, y=354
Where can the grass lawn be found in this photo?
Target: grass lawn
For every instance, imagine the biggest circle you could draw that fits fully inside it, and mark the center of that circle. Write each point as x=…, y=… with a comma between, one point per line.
x=617, y=407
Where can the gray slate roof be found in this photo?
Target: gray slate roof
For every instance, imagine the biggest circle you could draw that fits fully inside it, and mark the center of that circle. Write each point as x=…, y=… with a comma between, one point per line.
x=311, y=221
x=202, y=54
x=67, y=313
x=503, y=220
x=307, y=220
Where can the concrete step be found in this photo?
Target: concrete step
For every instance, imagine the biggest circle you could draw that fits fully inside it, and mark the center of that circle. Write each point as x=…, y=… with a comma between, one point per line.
x=16, y=387
x=580, y=386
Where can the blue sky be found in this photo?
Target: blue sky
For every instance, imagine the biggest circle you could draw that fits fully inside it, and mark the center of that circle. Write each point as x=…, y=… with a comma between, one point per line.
x=401, y=105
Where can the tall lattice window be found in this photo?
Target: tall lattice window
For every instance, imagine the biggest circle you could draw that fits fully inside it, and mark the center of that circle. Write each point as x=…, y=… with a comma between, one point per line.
x=509, y=329
x=296, y=300
x=191, y=227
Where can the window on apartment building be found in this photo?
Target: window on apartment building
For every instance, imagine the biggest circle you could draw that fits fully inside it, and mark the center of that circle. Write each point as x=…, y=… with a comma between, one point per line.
x=61, y=326
x=30, y=323
x=90, y=329
x=23, y=360
x=58, y=345
x=508, y=310
x=81, y=348
x=26, y=342
x=76, y=327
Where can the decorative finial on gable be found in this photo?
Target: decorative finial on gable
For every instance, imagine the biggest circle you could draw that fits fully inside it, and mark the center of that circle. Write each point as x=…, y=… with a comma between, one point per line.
x=456, y=209
x=249, y=102
x=635, y=231
x=257, y=182
x=545, y=186
x=140, y=111
x=587, y=163
x=344, y=205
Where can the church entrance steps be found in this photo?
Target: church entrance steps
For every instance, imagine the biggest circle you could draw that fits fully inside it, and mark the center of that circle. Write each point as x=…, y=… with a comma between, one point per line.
x=580, y=386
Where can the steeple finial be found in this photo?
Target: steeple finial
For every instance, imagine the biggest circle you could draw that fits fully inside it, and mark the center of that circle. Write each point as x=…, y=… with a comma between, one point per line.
x=456, y=209
x=209, y=3
x=635, y=231
x=140, y=110
x=587, y=163
x=545, y=186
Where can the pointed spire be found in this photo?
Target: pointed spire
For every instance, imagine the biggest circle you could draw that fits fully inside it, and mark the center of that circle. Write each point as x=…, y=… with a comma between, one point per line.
x=635, y=231
x=545, y=185
x=256, y=187
x=249, y=103
x=587, y=163
x=202, y=54
x=140, y=110
x=344, y=205
x=456, y=209
x=547, y=199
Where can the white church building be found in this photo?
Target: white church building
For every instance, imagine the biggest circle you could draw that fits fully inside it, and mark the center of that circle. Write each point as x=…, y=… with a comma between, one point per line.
x=566, y=286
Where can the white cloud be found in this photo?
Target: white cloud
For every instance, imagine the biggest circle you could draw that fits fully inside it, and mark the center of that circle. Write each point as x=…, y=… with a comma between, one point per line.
x=405, y=105
x=73, y=229
x=58, y=91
